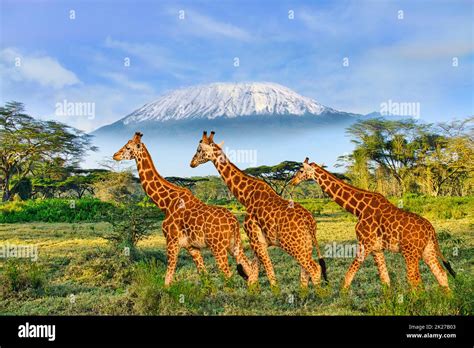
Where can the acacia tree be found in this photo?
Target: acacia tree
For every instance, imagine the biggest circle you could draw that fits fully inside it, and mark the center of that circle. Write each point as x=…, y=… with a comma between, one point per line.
x=26, y=143
x=414, y=156
x=277, y=176
x=393, y=145
x=451, y=161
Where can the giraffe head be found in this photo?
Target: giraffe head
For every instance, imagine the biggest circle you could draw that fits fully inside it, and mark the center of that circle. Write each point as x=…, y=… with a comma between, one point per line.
x=131, y=150
x=207, y=150
x=306, y=172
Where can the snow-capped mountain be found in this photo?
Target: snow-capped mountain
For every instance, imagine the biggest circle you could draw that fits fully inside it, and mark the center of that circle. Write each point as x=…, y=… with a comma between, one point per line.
x=226, y=100
x=259, y=117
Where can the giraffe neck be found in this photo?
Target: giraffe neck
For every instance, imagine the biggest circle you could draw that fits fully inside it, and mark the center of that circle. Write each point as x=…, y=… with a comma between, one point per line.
x=342, y=193
x=155, y=186
x=240, y=184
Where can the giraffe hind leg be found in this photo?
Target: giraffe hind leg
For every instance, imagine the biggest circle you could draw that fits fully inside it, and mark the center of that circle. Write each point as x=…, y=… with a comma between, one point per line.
x=197, y=258
x=220, y=254
x=304, y=278
x=431, y=259
x=303, y=255
x=413, y=269
x=259, y=246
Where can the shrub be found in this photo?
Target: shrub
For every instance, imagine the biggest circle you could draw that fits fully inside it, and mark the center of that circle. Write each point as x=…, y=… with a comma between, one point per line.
x=18, y=276
x=54, y=210
x=150, y=297
x=437, y=207
x=130, y=224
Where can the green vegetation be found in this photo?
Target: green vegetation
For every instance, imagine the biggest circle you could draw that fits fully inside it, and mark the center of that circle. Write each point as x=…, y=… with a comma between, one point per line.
x=80, y=272
x=101, y=249
x=54, y=210
x=397, y=157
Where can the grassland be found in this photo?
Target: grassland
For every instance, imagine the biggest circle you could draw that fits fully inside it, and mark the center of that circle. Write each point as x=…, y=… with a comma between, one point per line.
x=78, y=273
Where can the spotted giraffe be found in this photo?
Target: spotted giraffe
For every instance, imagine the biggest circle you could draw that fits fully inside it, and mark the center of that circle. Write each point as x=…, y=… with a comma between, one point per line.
x=189, y=223
x=270, y=219
x=382, y=226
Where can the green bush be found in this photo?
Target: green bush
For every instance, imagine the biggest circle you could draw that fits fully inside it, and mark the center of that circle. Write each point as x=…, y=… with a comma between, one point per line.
x=151, y=297
x=54, y=210
x=18, y=276
x=437, y=207
x=130, y=224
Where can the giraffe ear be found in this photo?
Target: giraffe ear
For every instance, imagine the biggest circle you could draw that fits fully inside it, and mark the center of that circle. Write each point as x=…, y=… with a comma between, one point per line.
x=221, y=144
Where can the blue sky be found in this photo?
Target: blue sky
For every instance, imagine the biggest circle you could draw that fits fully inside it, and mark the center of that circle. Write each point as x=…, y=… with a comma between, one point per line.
x=82, y=59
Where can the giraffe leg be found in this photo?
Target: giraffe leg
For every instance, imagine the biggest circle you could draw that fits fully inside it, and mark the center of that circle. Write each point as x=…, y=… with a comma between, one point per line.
x=301, y=248
x=259, y=245
x=220, y=254
x=382, y=267
x=250, y=268
x=246, y=269
x=310, y=267
x=304, y=278
x=355, y=265
x=197, y=258
x=172, y=249
x=431, y=259
x=412, y=261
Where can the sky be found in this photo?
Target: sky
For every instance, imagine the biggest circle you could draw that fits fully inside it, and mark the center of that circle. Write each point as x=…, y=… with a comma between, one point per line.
x=118, y=55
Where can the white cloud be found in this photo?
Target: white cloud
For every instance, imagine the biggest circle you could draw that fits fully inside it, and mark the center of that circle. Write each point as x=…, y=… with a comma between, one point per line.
x=154, y=56
x=207, y=25
x=123, y=80
x=41, y=69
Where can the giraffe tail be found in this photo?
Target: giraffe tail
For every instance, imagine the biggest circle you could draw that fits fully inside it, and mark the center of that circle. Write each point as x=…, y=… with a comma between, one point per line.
x=321, y=261
x=446, y=263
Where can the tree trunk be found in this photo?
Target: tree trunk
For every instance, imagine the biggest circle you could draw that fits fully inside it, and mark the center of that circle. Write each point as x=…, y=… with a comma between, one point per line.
x=6, y=189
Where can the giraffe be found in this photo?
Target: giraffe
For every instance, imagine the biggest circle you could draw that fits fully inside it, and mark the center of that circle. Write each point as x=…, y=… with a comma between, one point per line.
x=270, y=220
x=382, y=226
x=189, y=223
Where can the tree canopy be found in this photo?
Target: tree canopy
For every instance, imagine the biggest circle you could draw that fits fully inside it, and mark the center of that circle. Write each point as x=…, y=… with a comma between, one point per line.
x=28, y=144
x=277, y=176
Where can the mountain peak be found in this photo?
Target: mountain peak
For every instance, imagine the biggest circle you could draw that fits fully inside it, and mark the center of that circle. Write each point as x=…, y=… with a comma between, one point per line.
x=224, y=99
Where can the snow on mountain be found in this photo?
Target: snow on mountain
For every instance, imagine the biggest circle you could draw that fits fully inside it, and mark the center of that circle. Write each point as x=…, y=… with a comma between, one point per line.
x=226, y=100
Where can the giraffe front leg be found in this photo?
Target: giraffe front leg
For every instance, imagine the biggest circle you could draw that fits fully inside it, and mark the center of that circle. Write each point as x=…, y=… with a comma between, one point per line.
x=382, y=267
x=197, y=258
x=171, y=233
x=362, y=253
x=172, y=249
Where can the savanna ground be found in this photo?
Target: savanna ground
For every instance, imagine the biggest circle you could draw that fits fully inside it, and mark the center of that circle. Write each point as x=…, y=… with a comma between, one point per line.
x=79, y=273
